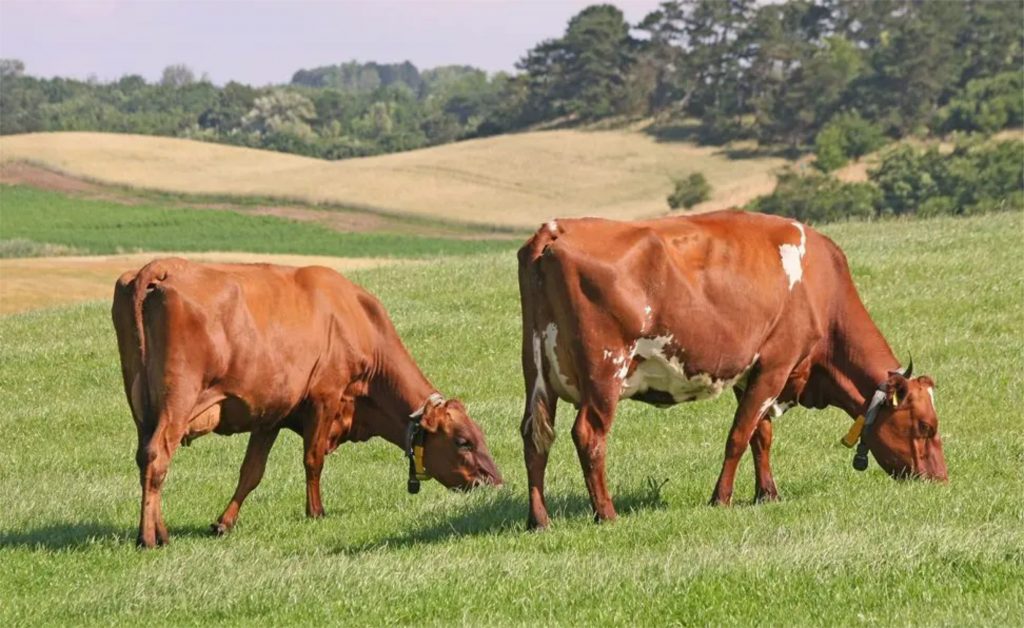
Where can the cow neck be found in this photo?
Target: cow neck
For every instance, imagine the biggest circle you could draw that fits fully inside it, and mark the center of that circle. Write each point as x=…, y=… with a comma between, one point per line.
x=860, y=359
x=398, y=389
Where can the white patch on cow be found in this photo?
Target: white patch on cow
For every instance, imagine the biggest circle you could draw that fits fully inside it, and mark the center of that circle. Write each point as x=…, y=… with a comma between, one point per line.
x=539, y=423
x=778, y=409
x=561, y=382
x=538, y=386
x=768, y=403
x=792, y=257
x=931, y=394
x=656, y=371
x=552, y=227
x=647, y=319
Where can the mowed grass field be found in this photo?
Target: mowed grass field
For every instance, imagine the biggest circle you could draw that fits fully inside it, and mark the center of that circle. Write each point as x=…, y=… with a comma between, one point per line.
x=841, y=547
x=516, y=180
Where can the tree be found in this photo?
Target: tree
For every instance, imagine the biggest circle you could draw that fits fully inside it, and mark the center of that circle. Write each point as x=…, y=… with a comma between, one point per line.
x=234, y=101
x=11, y=68
x=584, y=72
x=177, y=75
x=915, y=66
x=280, y=112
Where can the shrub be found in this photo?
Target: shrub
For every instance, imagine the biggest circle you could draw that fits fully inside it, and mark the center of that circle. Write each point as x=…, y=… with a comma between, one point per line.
x=846, y=136
x=690, y=191
x=817, y=198
x=986, y=105
x=974, y=178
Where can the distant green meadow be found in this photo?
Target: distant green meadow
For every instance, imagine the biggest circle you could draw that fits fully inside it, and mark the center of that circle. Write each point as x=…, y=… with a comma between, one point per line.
x=103, y=227
x=841, y=548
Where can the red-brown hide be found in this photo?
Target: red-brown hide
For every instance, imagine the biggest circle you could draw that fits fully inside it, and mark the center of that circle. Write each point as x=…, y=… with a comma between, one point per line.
x=256, y=348
x=678, y=309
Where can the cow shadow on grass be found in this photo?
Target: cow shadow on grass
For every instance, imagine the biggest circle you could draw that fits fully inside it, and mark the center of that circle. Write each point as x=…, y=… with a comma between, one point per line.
x=82, y=535
x=506, y=514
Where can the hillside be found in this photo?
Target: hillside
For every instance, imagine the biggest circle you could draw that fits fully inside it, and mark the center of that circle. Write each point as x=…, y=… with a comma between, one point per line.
x=511, y=180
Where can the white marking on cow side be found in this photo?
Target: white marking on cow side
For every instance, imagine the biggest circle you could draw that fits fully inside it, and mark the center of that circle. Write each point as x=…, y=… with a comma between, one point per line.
x=792, y=257
x=561, y=381
x=931, y=394
x=657, y=371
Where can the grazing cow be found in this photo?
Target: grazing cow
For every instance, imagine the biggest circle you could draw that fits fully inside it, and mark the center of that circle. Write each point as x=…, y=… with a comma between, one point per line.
x=255, y=348
x=679, y=309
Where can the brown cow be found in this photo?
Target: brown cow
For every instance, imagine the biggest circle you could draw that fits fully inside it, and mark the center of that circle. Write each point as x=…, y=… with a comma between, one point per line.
x=678, y=309
x=256, y=348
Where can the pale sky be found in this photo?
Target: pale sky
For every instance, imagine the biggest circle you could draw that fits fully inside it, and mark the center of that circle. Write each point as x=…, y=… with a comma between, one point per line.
x=266, y=41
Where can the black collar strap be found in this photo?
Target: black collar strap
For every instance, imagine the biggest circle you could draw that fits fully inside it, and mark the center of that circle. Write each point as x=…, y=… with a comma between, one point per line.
x=414, y=437
x=853, y=437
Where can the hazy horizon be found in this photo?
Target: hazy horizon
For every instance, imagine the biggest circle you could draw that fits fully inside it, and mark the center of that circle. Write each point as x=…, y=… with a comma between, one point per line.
x=265, y=42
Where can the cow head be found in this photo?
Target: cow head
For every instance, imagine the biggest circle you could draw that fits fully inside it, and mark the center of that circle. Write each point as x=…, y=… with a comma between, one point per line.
x=453, y=448
x=904, y=436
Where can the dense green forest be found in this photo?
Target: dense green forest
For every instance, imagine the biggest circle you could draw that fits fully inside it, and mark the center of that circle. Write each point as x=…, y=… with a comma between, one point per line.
x=838, y=76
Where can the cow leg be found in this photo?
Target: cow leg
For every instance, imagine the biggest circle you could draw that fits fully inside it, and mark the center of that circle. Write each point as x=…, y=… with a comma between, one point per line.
x=155, y=460
x=316, y=438
x=765, y=387
x=760, y=446
x=249, y=477
x=535, y=453
x=590, y=433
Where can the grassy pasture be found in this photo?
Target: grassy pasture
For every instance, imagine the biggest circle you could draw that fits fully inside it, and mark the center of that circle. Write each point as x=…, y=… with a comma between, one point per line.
x=96, y=226
x=517, y=180
x=841, y=548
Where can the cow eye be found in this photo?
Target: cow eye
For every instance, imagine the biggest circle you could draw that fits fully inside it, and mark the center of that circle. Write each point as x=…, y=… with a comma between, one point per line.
x=462, y=443
x=926, y=430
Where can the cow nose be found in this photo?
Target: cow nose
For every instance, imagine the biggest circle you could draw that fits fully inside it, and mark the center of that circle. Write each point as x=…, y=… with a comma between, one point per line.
x=489, y=474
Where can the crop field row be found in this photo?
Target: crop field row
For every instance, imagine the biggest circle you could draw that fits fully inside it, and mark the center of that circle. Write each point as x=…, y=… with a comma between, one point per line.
x=100, y=227
x=840, y=548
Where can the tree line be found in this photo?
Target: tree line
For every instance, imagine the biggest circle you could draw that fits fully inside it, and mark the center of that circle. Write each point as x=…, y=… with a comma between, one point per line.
x=838, y=76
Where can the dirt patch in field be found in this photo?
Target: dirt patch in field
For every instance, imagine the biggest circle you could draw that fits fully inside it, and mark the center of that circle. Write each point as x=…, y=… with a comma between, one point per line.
x=44, y=282
x=18, y=173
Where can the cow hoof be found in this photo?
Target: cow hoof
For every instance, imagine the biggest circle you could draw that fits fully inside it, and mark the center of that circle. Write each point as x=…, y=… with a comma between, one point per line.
x=142, y=543
x=763, y=498
x=219, y=529
x=605, y=518
x=724, y=502
x=537, y=525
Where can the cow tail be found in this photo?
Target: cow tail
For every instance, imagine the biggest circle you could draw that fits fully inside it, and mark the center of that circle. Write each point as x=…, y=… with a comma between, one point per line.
x=539, y=420
x=145, y=281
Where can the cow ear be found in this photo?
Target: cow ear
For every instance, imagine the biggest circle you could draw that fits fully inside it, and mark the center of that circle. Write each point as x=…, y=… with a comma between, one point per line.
x=895, y=389
x=433, y=417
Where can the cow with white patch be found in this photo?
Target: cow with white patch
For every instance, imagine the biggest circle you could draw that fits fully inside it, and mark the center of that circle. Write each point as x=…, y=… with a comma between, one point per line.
x=680, y=309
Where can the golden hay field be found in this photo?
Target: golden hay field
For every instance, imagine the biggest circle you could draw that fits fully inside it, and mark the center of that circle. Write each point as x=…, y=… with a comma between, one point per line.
x=512, y=180
x=44, y=282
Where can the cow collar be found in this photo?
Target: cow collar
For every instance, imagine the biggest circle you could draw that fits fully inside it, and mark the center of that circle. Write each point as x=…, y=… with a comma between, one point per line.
x=854, y=436
x=414, y=437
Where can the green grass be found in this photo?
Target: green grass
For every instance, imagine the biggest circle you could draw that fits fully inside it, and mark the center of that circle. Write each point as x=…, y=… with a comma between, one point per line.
x=841, y=548
x=93, y=226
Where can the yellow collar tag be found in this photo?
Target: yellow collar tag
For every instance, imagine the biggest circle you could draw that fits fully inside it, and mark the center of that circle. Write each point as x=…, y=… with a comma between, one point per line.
x=421, y=469
x=853, y=435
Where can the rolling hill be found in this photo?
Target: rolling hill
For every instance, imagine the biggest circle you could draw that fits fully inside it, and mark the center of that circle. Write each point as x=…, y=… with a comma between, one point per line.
x=511, y=180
